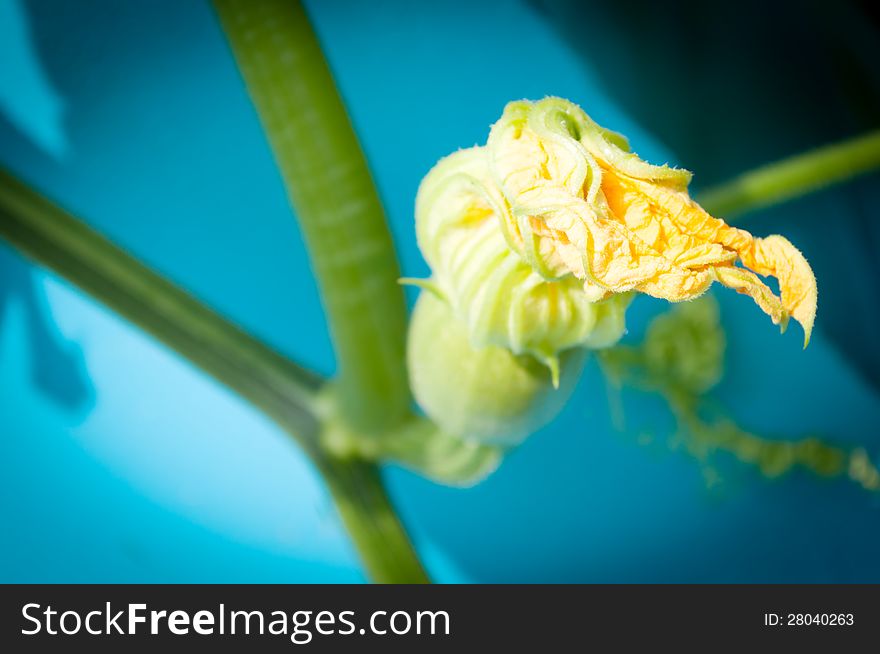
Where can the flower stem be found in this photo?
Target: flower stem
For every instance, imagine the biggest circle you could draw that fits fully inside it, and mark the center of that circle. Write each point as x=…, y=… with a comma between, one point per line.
x=793, y=177
x=335, y=200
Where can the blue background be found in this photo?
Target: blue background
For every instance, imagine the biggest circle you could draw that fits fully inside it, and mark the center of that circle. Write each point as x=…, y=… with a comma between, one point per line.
x=119, y=462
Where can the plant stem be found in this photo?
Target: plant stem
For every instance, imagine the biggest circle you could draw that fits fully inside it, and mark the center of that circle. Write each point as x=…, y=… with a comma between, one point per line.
x=54, y=238
x=793, y=177
x=371, y=521
x=283, y=390
x=335, y=200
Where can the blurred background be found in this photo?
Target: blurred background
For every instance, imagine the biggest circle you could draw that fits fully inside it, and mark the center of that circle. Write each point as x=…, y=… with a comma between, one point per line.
x=119, y=462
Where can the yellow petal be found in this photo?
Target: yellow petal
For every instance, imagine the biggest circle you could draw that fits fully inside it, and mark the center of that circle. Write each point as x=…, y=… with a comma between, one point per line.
x=775, y=255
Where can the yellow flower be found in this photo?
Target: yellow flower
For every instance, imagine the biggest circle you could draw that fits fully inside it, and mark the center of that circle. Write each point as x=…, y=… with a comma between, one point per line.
x=536, y=243
x=580, y=204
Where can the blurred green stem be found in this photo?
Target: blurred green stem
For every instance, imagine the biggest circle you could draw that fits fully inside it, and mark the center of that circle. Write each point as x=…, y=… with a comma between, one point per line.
x=372, y=523
x=335, y=201
x=54, y=238
x=283, y=390
x=793, y=177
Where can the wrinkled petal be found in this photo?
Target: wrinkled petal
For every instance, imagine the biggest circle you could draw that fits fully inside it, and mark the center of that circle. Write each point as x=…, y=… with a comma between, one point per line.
x=776, y=256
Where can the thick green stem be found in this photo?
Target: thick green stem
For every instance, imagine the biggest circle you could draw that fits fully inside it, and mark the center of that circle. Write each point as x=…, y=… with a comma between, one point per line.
x=335, y=201
x=793, y=177
x=285, y=391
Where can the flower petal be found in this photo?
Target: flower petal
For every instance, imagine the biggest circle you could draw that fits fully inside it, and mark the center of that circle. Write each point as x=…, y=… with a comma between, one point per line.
x=775, y=255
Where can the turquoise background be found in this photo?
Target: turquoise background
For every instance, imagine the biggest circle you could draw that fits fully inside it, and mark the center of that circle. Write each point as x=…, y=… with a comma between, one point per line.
x=121, y=463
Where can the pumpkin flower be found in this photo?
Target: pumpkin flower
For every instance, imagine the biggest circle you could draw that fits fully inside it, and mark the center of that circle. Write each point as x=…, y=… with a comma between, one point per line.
x=537, y=242
x=581, y=204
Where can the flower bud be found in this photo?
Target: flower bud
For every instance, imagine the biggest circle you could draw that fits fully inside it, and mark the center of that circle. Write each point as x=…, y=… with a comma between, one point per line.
x=495, y=348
